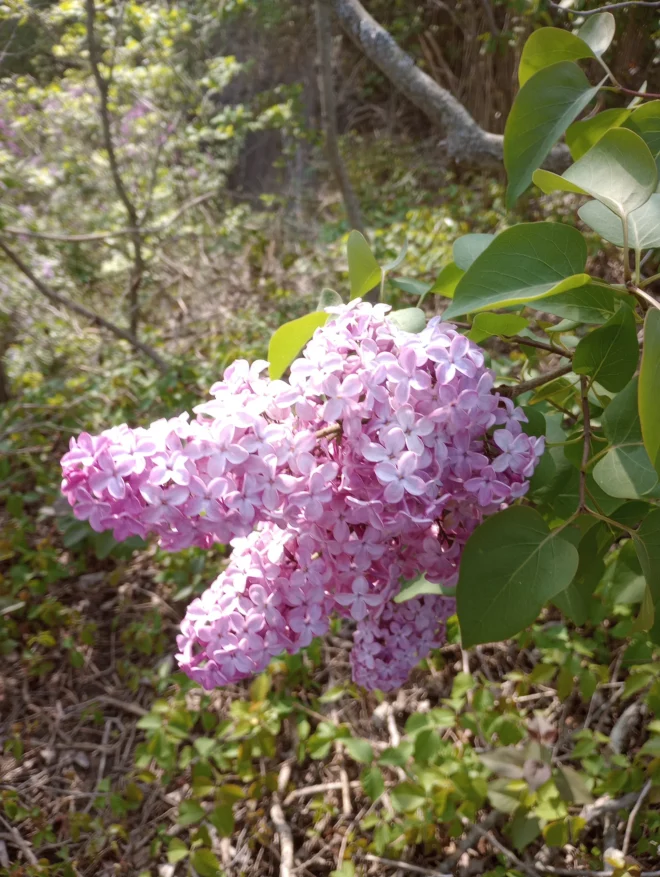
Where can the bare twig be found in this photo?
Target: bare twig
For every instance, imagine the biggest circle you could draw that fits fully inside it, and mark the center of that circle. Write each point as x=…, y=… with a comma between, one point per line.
x=12, y=231
x=282, y=827
x=633, y=815
x=22, y=844
x=645, y=296
x=652, y=4
x=541, y=345
x=102, y=86
x=605, y=805
x=493, y=841
x=93, y=317
x=581, y=872
x=404, y=866
x=319, y=789
x=533, y=383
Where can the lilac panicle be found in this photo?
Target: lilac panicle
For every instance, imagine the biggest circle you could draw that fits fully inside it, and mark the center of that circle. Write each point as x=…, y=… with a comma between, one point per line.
x=372, y=464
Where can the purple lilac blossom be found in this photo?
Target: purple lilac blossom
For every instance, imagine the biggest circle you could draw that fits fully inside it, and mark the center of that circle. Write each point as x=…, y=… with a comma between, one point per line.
x=423, y=449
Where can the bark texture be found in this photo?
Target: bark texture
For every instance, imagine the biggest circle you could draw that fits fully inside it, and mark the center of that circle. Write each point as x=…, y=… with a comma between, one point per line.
x=464, y=140
x=329, y=114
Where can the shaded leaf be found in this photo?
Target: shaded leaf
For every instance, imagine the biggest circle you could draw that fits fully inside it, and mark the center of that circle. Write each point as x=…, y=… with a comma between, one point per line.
x=205, y=863
x=645, y=122
x=328, y=298
x=586, y=304
x=467, y=248
x=372, y=782
x=413, y=287
x=447, y=280
x=610, y=353
x=511, y=566
x=359, y=749
x=649, y=385
x=643, y=223
x=406, y=797
x=598, y=32
x=626, y=470
x=484, y=325
x=418, y=586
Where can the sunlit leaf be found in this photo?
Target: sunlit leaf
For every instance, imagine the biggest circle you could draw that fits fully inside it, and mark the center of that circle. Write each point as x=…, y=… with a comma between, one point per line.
x=643, y=223
x=598, y=32
x=543, y=109
x=550, y=45
x=447, y=280
x=467, y=248
x=409, y=319
x=618, y=171
x=363, y=270
x=585, y=133
x=289, y=340
x=484, y=325
x=523, y=264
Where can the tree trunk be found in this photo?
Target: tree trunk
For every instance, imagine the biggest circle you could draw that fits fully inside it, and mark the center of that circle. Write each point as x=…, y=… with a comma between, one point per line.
x=329, y=114
x=465, y=141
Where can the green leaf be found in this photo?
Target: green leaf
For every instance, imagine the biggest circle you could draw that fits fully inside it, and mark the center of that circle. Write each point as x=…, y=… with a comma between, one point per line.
x=626, y=470
x=587, y=304
x=190, y=812
x=584, y=134
x=524, y=263
x=523, y=830
x=447, y=280
x=645, y=121
x=511, y=566
x=619, y=171
x=176, y=851
x=363, y=270
x=204, y=745
x=328, y=298
x=398, y=259
x=575, y=601
x=413, y=287
x=467, y=248
x=206, y=863
x=507, y=762
x=359, y=749
x=572, y=786
x=406, y=797
x=409, y=319
x=289, y=340
x=543, y=109
x=649, y=385
x=418, y=586
x=598, y=32
x=550, y=45
x=643, y=223
x=259, y=688
x=610, y=353
x=222, y=819
x=647, y=546
x=485, y=325
x=372, y=782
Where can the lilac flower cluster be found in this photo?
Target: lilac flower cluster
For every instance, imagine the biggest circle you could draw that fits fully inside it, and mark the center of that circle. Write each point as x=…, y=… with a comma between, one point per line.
x=372, y=464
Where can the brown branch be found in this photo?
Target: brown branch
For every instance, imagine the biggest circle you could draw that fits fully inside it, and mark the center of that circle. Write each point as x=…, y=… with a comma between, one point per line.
x=104, y=112
x=633, y=815
x=533, y=383
x=93, y=317
x=465, y=140
x=329, y=114
x=540, y=345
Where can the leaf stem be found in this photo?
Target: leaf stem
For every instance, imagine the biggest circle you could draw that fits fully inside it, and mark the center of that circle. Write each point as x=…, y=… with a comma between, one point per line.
x=586, y=437
x=610, y=521
x=626, y=250
x=644, y=295
x=638, y=266
x=649, y=280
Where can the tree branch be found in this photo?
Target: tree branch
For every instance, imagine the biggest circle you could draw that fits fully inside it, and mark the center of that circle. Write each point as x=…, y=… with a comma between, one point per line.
x=533, y=383
x=131, y=212
x=586, y=448
x=465, y=140
x=329, y=114
x=94, y=318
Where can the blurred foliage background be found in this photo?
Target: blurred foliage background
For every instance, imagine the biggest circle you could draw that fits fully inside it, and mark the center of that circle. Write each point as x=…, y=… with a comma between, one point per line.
x=211, y=219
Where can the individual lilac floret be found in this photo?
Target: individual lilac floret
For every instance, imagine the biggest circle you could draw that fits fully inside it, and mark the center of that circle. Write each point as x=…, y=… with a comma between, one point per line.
x=371, y=465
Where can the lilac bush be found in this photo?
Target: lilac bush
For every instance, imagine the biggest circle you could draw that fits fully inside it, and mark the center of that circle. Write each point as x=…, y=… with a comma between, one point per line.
x=370, y=466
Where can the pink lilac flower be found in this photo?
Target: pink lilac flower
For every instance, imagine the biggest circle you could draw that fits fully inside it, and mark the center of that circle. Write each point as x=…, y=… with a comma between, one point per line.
x=321, y=520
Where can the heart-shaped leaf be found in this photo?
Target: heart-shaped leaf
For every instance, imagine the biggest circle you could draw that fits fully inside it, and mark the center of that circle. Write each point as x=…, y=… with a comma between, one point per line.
x=523, y=264
x=643, y=223
x=289, y=340
x=363, y=270
x=584, y=134
x=409, y=319
x=511, y=566
x=598, y=32
x=467, y=248
x=618, y=171
x=549, y=45
x=543, y=109
x=610, y=353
